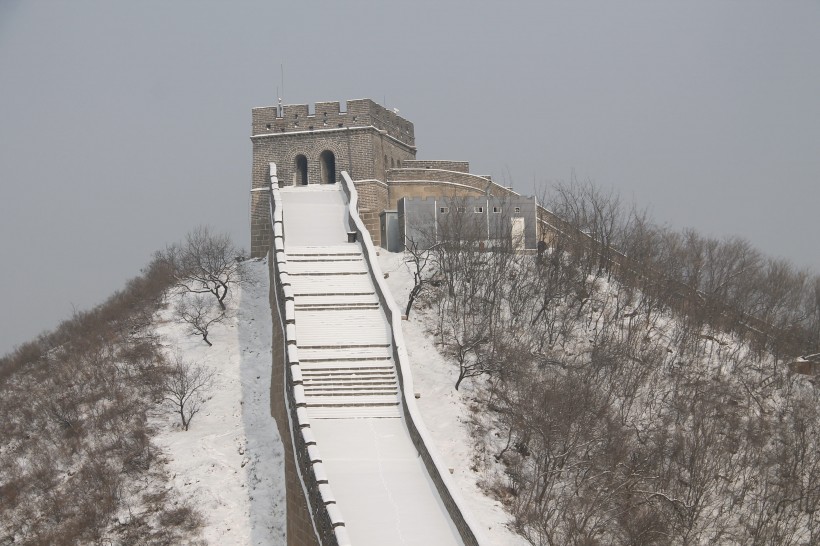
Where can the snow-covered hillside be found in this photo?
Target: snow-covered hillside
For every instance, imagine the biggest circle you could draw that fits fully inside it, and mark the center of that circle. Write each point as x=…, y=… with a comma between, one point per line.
x=447, y=413
x=228, y=465
x=596, y=413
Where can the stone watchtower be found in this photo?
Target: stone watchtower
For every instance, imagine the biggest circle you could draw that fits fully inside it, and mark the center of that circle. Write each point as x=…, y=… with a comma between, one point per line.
x=365, y=139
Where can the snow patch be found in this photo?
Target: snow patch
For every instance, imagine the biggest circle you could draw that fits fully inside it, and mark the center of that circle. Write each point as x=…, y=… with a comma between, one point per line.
x=229, y=464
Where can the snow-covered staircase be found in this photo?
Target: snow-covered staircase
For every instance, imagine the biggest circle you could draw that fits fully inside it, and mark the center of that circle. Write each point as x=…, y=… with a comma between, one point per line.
x=343, y=340
x=375, y=483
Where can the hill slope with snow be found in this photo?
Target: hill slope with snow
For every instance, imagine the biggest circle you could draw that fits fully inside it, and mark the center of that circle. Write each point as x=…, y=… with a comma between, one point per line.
x=229, y=463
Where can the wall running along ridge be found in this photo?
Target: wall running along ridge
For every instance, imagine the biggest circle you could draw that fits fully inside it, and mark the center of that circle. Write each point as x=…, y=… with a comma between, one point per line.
x=686, y=299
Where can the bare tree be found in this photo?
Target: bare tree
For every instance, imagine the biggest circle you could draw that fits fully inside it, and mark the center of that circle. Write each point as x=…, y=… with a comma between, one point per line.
x=467, y=336
x=199, y=312
x=206, y=263
x=416, y=257
x=596, y=217
x=186, y=387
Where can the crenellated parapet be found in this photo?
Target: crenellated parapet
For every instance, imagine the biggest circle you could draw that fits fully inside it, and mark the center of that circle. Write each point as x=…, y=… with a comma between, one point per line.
x=312, y=146
x=359, y=113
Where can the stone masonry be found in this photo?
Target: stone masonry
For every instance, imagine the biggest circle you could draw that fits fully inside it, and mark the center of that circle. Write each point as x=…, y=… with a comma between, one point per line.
x=373, y=144
x=377, y=149
x=365, y=140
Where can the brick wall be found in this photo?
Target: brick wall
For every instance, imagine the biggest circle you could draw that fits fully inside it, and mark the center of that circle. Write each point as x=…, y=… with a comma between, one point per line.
x=372, y=201
x=438, y=175
x=458, y=166
x=300, y=530
x=366, y=141
x=328, y=115
x=311, y=508
x=260, y=224
x=441, y=188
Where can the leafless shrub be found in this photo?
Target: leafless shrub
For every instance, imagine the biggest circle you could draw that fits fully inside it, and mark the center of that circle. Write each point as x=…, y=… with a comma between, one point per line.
x=184, y=517
x=206, y=263
x=198, y=312
x=417, y=258
x=636, y=384
x=186, y=388
x=75, y=439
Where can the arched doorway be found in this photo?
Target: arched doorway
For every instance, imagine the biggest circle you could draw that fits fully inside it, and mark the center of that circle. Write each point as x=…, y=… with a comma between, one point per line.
x=300, y=173
x=327, y=162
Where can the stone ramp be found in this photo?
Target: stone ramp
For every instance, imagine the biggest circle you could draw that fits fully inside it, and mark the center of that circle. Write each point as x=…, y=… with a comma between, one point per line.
x=343, y=339
x=349, y=380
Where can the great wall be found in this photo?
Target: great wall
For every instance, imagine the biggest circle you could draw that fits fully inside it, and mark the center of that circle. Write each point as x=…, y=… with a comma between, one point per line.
x=363, y=158
x=340, y=373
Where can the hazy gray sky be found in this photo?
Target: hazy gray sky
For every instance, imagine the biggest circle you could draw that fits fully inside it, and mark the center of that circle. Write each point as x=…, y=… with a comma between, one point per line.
x=125, y=124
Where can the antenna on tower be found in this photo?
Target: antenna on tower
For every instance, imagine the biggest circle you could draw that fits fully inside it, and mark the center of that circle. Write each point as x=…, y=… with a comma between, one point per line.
x=282, y=75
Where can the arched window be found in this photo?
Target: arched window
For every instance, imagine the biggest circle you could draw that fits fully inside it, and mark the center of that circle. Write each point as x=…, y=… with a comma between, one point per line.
x=327, y=162
x=300, y=171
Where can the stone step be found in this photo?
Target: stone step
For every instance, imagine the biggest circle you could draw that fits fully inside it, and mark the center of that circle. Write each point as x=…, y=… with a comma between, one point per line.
x=354, y=307
x=349, y=391
x=361, y=400
x=381, y=382
x=359, y=327
x=343, y=354
x=347, y=375
x=313, y=258
x=331, y=285
x=327, y=267
x=355, y=412
x=376, y=365
x=350, y=249
x=389, y=382
x=306, y=301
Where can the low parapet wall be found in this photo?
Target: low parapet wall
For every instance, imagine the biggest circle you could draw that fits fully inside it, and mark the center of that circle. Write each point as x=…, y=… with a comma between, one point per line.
x=396, y=176
x=467, y=527
x=457, y=166
x=327, y=521
x=444, y=183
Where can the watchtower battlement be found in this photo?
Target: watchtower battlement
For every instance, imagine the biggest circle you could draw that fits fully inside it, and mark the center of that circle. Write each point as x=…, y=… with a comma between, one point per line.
x=374, y=145
x=291, y=118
